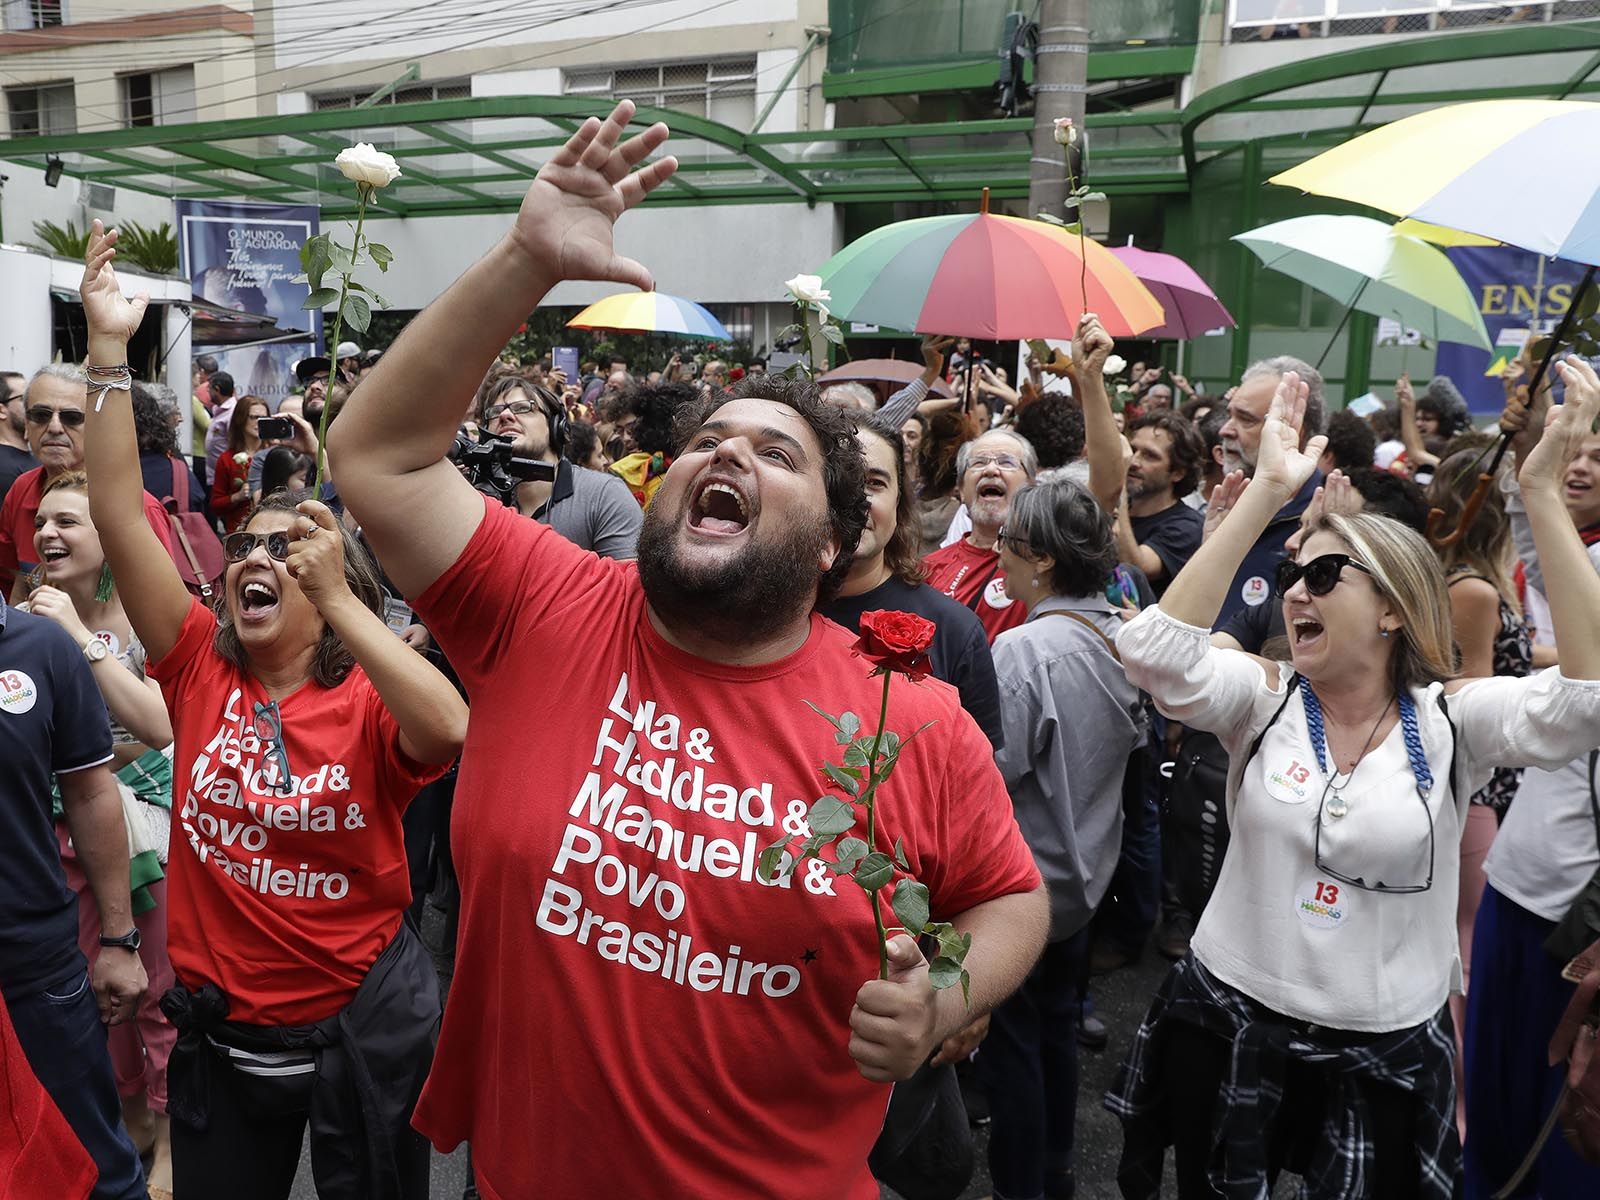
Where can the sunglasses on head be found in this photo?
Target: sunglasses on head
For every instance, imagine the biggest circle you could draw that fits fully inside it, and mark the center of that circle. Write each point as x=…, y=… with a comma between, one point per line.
x=71, y=418
x=237, y=547
x=1321, y=573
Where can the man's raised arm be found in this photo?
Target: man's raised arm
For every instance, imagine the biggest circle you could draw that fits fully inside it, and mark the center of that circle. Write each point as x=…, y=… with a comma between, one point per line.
x=388, y=447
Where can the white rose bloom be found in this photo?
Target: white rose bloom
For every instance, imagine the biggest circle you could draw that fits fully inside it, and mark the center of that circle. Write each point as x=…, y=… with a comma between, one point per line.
x=365, y=163
x=1115, y=364
x=808, y=289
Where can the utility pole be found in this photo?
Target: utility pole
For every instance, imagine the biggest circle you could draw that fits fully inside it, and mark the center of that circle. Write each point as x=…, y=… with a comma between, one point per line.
x=1060, y=88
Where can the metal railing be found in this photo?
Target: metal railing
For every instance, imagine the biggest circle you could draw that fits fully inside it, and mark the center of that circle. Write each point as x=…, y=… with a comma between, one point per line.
x=1263, y=20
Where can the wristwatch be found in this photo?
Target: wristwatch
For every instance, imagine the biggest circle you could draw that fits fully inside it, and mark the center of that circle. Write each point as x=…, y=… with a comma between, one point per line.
x=94, y=650
x=128, y=941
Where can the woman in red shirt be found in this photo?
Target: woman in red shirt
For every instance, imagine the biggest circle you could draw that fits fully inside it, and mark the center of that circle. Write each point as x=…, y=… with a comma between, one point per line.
x=230, y=490
x=303, y=727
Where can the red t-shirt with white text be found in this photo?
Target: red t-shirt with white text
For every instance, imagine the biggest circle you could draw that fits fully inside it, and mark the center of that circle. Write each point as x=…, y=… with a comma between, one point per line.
x=631, y=1005
x=974, y=577
x=281, y=893
x=21, y=506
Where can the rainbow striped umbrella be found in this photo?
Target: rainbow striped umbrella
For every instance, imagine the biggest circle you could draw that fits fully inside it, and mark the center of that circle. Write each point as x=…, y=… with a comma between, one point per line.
x=985, y=276
x=651, y=312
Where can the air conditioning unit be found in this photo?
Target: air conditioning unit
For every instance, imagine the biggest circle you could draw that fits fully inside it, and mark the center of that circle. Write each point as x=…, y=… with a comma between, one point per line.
x=98, y=197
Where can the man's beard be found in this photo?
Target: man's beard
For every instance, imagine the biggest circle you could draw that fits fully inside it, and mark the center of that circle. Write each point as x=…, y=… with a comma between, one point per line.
x=18, y=422
x=748, y=596
x=1236, y=461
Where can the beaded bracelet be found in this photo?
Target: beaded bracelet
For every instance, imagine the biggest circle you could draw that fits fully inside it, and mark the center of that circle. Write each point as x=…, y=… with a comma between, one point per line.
x=108, y=379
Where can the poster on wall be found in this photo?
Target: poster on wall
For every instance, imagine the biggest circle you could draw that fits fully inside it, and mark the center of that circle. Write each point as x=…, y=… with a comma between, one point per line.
x=240, y=259
x=1518, y=292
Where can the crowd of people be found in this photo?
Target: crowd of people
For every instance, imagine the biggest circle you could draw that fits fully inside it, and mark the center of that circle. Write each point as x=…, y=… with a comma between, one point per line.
x=1200, y=681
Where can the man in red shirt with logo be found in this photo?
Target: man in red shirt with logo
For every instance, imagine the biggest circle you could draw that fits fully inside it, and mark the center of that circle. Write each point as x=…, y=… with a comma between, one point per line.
x=624, y=978
x=990, y=469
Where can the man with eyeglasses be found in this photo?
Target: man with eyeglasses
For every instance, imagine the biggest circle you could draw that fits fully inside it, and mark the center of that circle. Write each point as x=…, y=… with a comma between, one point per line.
x=54, y=413
x=989, y=470
x=591, y=509
x=14, y=455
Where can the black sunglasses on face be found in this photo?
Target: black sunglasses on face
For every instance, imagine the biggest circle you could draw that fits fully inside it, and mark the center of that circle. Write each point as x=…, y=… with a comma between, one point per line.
x=71, y=418
x=1321, y=573
x=237, y=547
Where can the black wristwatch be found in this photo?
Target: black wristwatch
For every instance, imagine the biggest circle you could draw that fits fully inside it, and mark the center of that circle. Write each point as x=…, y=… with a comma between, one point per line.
x=128, y=941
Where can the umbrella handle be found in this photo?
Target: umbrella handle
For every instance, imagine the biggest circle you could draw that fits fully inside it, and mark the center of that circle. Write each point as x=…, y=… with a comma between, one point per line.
x=1469, y=514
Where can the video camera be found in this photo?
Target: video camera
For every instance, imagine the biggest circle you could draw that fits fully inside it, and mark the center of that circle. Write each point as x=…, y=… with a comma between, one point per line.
x=492, y=465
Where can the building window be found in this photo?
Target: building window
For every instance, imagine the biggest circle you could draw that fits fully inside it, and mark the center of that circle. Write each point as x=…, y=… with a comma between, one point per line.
x=722, y=90
x=33, y=14
x=412, y=93
x=158, y=97
x=43, y=111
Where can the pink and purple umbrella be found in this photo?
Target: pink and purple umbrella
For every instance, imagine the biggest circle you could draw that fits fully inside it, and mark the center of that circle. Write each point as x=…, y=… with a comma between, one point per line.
x=1190, y=305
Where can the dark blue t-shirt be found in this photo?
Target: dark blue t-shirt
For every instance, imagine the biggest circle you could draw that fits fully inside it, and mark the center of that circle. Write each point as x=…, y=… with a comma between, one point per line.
x=1174, y=534
x=1252, y=586
x=52, y=721
x=960, y=651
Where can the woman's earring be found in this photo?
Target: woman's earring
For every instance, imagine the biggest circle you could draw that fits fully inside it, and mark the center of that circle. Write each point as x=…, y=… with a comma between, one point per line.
x=1382, y=632
x=102, y=591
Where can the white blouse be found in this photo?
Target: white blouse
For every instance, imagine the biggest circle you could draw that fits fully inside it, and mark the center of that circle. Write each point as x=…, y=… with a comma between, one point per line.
x=1287, y=933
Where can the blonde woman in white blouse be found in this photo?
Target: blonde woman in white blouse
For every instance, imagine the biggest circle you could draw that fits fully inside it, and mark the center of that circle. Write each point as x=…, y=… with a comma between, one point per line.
x=1308, y=1027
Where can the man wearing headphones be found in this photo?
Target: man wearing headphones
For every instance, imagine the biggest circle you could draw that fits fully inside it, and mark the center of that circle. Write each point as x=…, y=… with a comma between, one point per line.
x=592, y=509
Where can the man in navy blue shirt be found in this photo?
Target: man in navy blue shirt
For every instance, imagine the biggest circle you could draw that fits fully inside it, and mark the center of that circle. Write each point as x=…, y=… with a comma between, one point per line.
x=53, y=722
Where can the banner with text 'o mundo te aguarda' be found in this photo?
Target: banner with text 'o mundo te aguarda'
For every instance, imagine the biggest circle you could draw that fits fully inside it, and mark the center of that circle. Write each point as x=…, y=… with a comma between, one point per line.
x=242, y=258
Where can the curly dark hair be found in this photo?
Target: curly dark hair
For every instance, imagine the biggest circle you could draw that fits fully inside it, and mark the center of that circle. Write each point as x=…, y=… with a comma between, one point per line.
x=656, y=405
x=333, y=660
x=582, y=438
x=1054, y=428
x=152, y=422
x=903, y=554
x=844, y=471
x=1391, y=495
x=1351, y=441
x=1186, y=450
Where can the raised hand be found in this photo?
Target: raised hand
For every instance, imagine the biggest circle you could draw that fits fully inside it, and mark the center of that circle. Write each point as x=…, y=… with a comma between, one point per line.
x=1091, y=346
x=1223, y=497
x=111, y=314
x=1566, y=427
x=316, y=555
x=933, y=348
x=567, y=216
x=1281, y=465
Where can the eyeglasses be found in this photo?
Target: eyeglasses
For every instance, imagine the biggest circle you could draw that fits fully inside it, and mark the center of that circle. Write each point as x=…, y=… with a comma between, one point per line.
x=237, y=547
x=71, y=418
x=269, y=728
x=1006, y=462
x=1357, y=881
x=520, y=408
x=1018, y=544
x=1321, y=573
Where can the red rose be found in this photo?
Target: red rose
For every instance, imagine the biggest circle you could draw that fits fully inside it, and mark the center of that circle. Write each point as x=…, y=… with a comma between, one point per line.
x=896, y=641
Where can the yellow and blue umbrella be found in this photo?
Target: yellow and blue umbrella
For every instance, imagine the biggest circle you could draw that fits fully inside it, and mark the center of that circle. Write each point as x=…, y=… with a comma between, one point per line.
x=1457, y=166
x=651, y=312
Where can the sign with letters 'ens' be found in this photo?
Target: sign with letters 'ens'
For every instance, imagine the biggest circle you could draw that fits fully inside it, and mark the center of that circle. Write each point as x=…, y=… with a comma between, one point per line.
x=1512, y=294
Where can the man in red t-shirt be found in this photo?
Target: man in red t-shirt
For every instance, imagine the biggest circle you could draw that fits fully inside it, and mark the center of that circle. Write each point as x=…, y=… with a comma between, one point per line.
x=990, y=470
x=54, y=406
x=623, y=977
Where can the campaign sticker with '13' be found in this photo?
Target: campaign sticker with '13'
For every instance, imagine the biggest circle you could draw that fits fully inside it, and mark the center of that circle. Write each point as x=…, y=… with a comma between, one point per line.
x=17, y=692
x=1255, y=590
x=995, y=594
x=1321, y=903
x=1289, y=781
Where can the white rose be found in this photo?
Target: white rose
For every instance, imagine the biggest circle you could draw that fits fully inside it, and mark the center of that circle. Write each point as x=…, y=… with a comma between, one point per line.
x=365, y=163
x=241, y=458
x=808, y=289
x=1066, y=133
x=1115, y=364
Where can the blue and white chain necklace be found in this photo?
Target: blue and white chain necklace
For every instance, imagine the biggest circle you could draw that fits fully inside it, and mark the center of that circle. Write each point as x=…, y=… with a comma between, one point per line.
x=1337, y=806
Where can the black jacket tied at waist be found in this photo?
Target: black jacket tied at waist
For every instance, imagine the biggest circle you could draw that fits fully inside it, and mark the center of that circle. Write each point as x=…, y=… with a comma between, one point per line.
x=367, y=1065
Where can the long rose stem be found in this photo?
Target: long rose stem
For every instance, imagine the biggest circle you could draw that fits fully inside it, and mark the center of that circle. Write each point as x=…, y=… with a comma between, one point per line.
x=363, y=191
x=870, y=800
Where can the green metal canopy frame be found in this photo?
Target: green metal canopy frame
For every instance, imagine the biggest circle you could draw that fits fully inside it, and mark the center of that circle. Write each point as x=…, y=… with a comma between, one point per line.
x=477, y=156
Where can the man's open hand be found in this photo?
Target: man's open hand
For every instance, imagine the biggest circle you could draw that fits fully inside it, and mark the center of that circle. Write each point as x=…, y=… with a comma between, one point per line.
x=566, y=217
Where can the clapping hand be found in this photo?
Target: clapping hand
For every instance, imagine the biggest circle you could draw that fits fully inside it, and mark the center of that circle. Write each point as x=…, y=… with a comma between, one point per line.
x=1281, y=465
x=567, y=216
x=1566, y=426
x=1223, y=497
